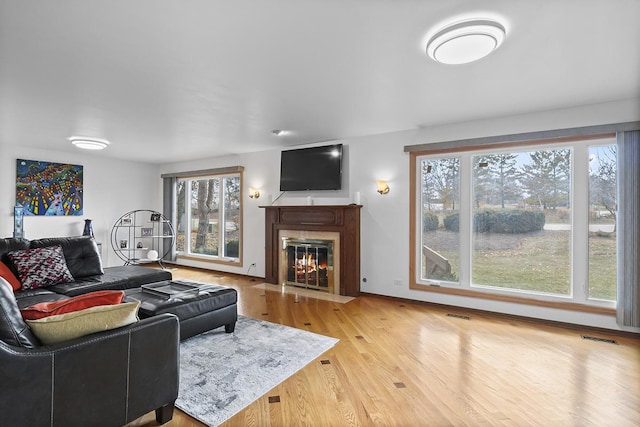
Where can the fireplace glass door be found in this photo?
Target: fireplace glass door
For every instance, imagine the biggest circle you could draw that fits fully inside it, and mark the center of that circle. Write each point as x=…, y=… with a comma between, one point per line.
x=309, y=263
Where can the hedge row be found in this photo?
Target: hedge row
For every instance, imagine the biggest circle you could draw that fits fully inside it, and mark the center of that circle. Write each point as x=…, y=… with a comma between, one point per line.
x=452, y=222
x=429, y=221
x=508, y=221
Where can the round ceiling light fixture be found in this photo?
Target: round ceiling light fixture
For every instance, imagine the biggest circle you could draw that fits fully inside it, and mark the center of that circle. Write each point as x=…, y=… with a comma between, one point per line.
x=89, y=143
x=465, y=41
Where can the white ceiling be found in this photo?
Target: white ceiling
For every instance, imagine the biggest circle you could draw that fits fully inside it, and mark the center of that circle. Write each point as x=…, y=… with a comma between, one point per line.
x=169, y=80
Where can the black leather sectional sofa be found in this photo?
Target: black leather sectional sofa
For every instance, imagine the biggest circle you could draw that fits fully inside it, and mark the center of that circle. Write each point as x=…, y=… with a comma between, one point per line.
x=103, y=379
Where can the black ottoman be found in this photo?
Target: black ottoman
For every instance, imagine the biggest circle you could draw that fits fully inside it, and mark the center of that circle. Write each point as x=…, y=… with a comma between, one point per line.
x=200, y=307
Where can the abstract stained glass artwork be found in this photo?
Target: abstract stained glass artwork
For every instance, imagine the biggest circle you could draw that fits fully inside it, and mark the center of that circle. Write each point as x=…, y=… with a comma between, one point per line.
x=46, y=188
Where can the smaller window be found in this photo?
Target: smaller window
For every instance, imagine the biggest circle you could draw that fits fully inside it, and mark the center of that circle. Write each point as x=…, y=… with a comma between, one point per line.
x=603, y=209
x=209, y=214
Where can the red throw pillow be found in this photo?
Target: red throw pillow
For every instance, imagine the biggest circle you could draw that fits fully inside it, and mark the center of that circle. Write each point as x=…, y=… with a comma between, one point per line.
x=80, y=302
x=8, y=275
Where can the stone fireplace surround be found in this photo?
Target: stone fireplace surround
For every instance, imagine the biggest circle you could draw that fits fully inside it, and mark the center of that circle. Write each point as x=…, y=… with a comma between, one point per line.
x=343, y=220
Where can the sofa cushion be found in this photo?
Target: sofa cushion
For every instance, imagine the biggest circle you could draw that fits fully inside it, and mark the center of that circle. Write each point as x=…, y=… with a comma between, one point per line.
x=64, y=327
x=41, y=267
x=9, y=276
x=80, y=302
x=81, y=253
x=28, y=297
x=13, y=329
x=117, y=278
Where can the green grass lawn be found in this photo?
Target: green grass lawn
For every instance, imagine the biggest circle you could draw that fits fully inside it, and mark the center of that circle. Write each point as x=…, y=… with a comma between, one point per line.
x=538, y=262
x=602, y=268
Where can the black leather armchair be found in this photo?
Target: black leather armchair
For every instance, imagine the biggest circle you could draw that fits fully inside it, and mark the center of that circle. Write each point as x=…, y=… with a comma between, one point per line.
x=104, y=379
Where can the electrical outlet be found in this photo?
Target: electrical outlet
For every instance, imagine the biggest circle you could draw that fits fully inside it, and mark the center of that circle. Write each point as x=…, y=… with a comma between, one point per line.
x=252, y=265
x=397, y=282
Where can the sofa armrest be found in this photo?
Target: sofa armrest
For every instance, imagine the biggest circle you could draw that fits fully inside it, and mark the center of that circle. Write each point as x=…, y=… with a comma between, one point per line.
x=108, y=378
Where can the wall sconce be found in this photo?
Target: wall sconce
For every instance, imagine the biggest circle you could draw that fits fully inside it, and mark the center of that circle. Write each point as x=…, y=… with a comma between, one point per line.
x=254, y=193
x=383, y=187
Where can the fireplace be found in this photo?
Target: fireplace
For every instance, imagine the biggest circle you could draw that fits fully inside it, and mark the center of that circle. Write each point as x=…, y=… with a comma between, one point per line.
x=309, y=264
x=300, y=240
x=307, y=260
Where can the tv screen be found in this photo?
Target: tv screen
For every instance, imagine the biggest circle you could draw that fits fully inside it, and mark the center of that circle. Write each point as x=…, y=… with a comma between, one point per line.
x=316, y=168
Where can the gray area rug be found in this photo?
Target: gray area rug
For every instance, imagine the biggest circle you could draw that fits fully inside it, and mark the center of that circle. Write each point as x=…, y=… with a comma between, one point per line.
x=221, y=374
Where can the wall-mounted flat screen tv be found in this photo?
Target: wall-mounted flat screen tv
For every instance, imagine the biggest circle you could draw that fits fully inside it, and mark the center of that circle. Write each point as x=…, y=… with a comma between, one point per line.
x=315, y=168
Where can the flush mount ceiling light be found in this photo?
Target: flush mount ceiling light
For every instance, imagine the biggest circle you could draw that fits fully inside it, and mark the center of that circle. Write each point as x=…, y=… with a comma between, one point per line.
x=89, y=143
x=279, y=132
x=465, y=41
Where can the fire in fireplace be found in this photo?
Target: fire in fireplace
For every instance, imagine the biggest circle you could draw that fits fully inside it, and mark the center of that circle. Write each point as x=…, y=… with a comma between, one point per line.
x=309, y=263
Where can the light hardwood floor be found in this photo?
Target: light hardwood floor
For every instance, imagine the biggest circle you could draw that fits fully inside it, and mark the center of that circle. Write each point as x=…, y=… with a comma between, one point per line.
x=410, y=364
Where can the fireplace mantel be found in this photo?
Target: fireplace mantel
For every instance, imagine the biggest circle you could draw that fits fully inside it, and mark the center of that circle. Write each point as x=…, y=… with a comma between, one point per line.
x=343, y=219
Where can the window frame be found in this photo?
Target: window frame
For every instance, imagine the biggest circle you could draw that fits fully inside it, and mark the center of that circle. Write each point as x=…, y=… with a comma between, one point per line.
x=578, y=299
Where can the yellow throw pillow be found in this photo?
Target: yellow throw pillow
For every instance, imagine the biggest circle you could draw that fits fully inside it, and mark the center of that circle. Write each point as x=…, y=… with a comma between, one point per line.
x=63, y=327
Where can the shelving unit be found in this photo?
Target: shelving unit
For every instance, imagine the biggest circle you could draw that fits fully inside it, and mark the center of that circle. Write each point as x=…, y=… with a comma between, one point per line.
x=136, y=234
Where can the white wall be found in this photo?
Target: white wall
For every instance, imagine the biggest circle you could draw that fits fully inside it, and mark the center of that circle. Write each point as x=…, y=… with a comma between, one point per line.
x=111, y=188
x=385, y=219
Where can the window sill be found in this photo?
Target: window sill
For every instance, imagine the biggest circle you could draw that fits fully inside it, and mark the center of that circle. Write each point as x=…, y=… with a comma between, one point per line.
x=560, y=305
x=209, y=259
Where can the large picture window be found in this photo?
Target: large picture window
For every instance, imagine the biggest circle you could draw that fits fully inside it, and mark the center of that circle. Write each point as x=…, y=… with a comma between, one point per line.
x=530, y=221
x=208, y=217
